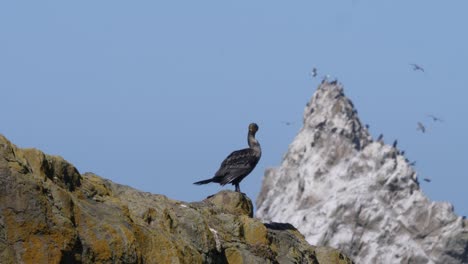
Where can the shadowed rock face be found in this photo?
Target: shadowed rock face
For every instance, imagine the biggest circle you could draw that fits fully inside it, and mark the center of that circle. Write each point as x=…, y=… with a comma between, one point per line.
x=49, y=213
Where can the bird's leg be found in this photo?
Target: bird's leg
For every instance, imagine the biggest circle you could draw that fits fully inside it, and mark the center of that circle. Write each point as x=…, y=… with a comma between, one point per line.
x=237, y=187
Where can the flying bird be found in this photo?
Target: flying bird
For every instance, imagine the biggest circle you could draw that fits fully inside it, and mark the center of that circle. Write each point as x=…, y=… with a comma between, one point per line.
x=395, y=143
x=239, y=163
x=416, y=67
x=421, y=127
x=314, y=72
x=427, y=179
x=435, y=118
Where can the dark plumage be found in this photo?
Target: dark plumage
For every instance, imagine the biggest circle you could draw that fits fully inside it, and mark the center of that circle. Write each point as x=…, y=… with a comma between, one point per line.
x=417, y=67
x=314, y=72
x=421, y=127
x=380, y=138
x=239, y=163
x=435, y=118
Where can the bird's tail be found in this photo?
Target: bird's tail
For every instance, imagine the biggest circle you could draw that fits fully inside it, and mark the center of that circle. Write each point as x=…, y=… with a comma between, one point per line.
x=203, y=182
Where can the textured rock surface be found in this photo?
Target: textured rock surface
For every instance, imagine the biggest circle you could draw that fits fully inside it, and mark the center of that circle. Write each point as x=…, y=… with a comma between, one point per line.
x=49, y=213
x=342, y=189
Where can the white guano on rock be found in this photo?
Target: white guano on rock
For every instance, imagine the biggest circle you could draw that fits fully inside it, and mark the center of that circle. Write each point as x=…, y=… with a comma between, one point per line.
x=342, y=189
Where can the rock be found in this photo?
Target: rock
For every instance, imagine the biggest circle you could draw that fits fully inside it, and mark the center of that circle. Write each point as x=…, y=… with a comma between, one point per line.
x=49, y=213
x=343, y=189
x=232, y=202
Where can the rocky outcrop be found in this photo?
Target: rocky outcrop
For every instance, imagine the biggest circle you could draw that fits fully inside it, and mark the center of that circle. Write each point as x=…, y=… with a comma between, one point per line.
x=343, y=189
x=49, y=213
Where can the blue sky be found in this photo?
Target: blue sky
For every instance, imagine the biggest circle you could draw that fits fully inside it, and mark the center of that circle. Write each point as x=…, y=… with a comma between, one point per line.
x=155, y=94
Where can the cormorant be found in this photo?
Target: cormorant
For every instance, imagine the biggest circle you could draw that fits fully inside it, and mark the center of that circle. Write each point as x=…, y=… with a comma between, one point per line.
x=239, y=163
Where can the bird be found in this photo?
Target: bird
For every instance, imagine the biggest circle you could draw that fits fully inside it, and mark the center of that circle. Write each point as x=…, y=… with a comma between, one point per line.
x=380, y=138
x=427, y=179
x=395, y=143
x=421, y=127
x=416, y=67
x=314, y=72
x=239, y=163
x=435, y=118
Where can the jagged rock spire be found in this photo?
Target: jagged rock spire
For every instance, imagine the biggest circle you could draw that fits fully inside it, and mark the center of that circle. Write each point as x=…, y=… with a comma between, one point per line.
x=330, y=110
x=340, y=188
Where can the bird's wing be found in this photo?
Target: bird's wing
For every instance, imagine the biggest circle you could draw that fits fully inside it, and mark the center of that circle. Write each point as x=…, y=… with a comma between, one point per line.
x=238, y=163
x=421, y=127
x=416, y=67
x=435, y=118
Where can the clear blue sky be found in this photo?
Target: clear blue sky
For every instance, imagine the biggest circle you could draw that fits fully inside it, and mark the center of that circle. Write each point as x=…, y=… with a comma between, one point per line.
x=155, y=94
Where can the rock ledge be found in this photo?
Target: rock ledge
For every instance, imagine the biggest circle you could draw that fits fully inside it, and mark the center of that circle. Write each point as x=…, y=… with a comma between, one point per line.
x=50, y=213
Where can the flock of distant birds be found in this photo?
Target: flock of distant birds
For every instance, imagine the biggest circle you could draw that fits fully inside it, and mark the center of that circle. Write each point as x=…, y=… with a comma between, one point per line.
x=420, y=126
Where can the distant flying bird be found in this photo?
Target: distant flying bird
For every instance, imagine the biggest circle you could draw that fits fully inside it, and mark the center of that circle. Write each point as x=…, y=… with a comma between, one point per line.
x=421, y=127
x=239, y=163
x=314, y=72
x=416, y=67
x=395, y=143
x=435, y=118
x=287, y=123
x=427, y=179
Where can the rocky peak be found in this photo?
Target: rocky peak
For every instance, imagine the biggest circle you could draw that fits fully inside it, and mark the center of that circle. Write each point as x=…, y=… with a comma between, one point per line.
x=50, y=213
x=330, y=111
x=342, y=189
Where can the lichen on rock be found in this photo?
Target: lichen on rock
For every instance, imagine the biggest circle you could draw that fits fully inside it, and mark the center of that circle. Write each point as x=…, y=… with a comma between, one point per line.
x=50, y=213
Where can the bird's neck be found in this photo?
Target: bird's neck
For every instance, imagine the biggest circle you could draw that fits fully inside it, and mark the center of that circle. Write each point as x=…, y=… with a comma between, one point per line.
x=253, y=143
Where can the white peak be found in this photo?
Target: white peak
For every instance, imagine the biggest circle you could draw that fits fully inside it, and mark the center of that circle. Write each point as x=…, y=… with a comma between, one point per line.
x=342, y=189
x=330, y=110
